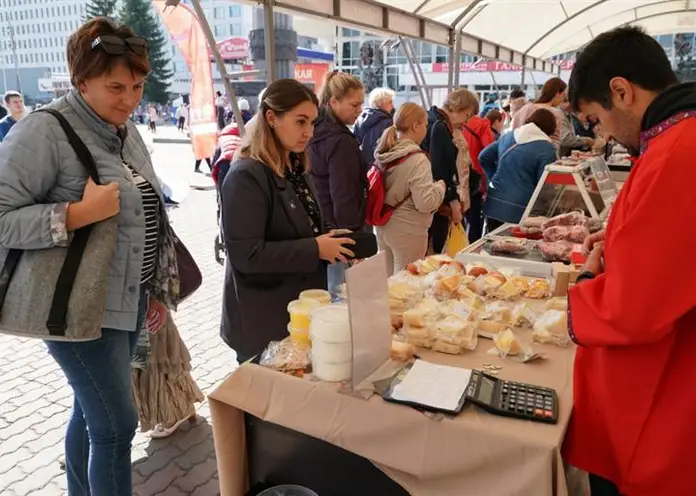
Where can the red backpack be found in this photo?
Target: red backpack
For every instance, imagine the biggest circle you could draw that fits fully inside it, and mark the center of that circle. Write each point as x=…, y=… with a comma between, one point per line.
x=378, y=212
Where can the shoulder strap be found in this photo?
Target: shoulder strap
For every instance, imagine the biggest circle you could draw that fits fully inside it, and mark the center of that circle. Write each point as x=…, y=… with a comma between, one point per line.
x=474, y=134
x=57, y=317
x=507, y=151
x=401, y=160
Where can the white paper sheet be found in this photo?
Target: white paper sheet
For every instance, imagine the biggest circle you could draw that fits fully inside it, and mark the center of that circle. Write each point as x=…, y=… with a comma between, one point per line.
x=432, y=385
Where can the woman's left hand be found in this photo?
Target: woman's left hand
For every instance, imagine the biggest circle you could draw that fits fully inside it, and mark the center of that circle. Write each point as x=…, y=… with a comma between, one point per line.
x=156, y=315
x=595, y=262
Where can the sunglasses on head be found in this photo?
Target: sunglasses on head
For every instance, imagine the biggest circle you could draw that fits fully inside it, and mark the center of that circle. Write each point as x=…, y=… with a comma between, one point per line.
x=115, y=45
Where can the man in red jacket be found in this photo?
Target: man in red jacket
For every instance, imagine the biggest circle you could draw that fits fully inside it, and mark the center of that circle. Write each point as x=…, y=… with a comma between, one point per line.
x=633, y=311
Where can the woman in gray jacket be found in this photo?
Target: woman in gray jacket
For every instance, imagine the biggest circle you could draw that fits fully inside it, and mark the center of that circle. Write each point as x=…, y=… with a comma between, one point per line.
x=45, y=194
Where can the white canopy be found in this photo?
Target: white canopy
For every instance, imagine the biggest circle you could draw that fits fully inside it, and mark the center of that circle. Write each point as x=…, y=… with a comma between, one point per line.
x=518, y=31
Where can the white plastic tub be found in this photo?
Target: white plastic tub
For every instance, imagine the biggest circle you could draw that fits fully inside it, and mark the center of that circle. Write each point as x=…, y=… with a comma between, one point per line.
x=332, y=353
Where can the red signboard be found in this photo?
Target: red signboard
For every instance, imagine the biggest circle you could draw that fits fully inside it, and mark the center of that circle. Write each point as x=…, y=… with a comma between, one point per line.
x=311, y=73
x=235, y=48
x=492, y=66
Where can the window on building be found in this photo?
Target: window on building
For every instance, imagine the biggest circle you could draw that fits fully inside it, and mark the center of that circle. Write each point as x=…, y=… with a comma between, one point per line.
x=441, y=54
x=351, y=53
x=216, y=30
x=235, y=11
x=235, y=30
x=349, y=33
x=218, y=12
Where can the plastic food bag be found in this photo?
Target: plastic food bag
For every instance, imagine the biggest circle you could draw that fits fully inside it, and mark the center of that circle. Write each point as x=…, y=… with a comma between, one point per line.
x=457, y=240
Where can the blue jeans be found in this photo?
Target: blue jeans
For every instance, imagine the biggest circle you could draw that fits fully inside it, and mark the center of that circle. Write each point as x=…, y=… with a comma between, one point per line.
x=104, y=418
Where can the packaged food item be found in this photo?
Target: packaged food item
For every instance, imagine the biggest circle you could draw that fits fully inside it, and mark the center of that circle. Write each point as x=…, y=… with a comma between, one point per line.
x=299, y=311
x=429, y=264
x=510, y=246
x=538, y=289
x=447, y=285
x=416, y=317
x=402, y=351
x=403, y=296
x=534, y=222
x=556, y=251
x=492, y=282
x=521, y=283
x=507, y=343
x=319, y=295
x=285, y=356
x=552, y=327
x=460, y=310
x=421, y=337
x=559, y=303
x=454, y=335
x=569, y=219
x=490, y=328
x=507, y=291
x=332, y=348
x=478, y=270
x=498, y=311
x=299, y=336
x=574, y=234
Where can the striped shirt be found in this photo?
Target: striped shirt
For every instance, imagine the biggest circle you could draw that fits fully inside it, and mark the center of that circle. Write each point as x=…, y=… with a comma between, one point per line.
x=150, y=201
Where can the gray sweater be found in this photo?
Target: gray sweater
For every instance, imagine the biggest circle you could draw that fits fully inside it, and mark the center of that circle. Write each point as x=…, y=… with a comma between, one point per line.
x=40, y=174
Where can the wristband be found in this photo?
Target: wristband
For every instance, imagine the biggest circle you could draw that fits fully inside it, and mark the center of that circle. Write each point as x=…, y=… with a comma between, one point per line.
x=584, y=276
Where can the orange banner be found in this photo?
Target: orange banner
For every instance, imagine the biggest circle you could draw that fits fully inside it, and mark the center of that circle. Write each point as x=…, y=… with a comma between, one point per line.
x=186, y=32
x=311, y=73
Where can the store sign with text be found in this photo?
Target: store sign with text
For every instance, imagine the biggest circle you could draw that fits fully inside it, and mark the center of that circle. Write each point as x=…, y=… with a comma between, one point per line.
x=492, y=66
x=311, y=73
x=234, y=48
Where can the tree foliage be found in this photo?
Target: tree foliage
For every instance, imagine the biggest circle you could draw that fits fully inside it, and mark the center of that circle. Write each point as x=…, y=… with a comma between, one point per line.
x=100, y=8
x=140, y=16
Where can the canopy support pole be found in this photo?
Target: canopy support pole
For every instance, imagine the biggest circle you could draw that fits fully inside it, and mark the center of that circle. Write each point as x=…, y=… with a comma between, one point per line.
x=450, y=70
x=407, y=48
x=457, y=57
x=229, y=88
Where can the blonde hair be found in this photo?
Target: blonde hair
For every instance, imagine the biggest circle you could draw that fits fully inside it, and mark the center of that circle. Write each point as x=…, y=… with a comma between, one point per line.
x=338, y=85
x=260, y=141
x=407, y=115
x=378, y=96
x=460, y=100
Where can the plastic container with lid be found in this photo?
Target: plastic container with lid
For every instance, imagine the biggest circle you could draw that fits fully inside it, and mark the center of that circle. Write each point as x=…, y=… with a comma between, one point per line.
x=299, y=311
x=299, y=337
x=332, y=353
x=320, y=295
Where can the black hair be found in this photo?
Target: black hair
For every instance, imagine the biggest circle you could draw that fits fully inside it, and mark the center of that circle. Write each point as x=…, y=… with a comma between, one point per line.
x=11, y=94
x=626, y=52
x=218, y=93
x=516, y=93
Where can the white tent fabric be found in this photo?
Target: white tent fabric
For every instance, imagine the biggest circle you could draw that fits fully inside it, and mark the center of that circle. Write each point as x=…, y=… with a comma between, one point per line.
x=544, y=28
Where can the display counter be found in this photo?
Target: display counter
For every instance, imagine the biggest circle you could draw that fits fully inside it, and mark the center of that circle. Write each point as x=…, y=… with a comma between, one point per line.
x=474, y=453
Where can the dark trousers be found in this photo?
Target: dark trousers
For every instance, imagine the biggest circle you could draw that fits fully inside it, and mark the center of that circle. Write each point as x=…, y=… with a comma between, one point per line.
x=220, y=117
x=438, y=232
x=198, y=164
x=602, y=487
x=492, y=224
x=180, y=123
x=474, y=217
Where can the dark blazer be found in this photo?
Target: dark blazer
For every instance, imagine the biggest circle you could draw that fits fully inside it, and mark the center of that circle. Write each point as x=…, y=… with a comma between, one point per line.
x=272, y=256
x=443, y=153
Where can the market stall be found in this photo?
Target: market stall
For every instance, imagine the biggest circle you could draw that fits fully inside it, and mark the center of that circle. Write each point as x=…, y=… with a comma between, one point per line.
x=504, y=341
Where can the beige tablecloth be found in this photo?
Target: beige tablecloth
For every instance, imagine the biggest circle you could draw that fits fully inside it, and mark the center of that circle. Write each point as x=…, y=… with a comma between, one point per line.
x=475, y=453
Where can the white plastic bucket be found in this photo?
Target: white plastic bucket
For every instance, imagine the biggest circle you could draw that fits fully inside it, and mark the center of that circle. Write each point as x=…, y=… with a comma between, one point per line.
x=332, y=353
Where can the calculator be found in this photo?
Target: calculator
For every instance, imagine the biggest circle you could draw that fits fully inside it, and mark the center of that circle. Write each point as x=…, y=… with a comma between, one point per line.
x=512, y=399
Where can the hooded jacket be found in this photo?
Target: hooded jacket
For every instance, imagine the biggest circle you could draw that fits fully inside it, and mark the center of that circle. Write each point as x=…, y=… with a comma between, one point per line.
x=514, y=165
x=438, y=143
x=369, y=128
x=339, y=174
x=635, y=323
x=413, y=176
x=479, y=135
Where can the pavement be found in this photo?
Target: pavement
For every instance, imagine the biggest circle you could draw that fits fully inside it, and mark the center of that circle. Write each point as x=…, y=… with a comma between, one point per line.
x=166, y=134
x=35, y=399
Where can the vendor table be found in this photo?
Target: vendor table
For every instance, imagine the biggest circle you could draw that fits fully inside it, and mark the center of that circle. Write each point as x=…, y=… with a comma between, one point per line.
x=474, y=453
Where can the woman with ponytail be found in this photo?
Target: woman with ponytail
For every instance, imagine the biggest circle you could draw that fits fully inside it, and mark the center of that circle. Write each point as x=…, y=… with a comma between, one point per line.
x=409, y=188
x=339, y=170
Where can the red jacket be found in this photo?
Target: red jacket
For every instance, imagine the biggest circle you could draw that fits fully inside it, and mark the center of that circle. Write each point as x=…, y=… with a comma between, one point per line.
x=479, y=135
x=634, y=417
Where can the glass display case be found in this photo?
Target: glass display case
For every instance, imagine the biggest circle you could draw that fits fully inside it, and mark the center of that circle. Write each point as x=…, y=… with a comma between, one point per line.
x=585, y=185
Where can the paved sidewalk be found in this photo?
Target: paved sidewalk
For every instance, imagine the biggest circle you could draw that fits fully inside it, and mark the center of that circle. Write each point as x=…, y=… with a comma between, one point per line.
x=166, y=134
x=35, y=400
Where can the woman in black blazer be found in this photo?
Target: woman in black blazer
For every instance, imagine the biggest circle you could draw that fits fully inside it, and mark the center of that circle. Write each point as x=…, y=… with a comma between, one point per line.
x=274, y=233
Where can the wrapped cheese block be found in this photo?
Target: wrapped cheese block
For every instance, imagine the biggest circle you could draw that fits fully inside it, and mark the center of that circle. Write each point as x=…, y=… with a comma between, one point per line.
x=402, y=351
x=453, y=335
x=539, y=289
x=507, y=344
x=552, y=327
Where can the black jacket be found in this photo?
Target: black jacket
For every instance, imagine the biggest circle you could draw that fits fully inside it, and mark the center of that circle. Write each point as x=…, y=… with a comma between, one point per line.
x=443, y=153
x=339, y=174
x=272, y=256
x=368, y=130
